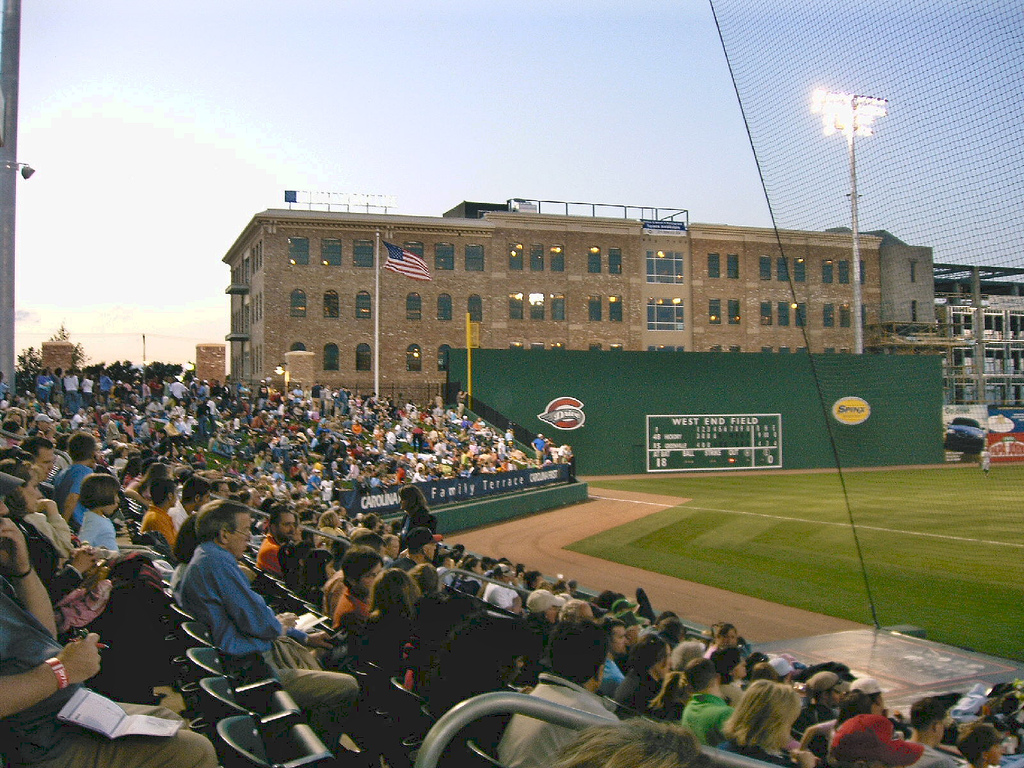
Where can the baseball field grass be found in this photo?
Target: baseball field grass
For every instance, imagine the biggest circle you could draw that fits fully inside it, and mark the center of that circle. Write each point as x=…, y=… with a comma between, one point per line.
x=943, y=548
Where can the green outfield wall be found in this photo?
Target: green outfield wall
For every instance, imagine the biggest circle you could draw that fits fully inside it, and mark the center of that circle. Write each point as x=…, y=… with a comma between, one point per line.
x=694, y=411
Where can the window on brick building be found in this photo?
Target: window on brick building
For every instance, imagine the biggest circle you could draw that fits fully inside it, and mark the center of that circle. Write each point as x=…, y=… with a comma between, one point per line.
x=734, y=312
x=557, y=306
x=594, y=259
x=414, y=247
x=298, y=303
x=666, y=314
x=766, y=313
x=594, y=308
x=782, y=269
x=413, y=307
x=615, y=309
x=298, y=250
x=444, y=307
x=664, y=267
x=844, y=271
x=715, y=311
x=364, y=306
x=474, y=258
x=801, y=315
x=413, y=358
x=332, y=306
x=444, y=353
x=362, y=253
x=828, y=315
x=614, y=261
x=444, y=256
x=765, y=266
x=536, y=258
x=330, y=252
x=844, y=315
x=475, y=308
x=556, y=257
x=800, y=271
x=515, y=257
x=536, y=301
x=714, y=265
x=827, y=269
x=330, y=357
x=515, y=306
x=363, y=360
x=297, y=346
x=732, y=267
x=783, y=313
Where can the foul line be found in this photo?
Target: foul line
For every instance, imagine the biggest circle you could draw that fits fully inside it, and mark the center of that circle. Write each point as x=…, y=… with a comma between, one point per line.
x=648, y=503
x=862, y=527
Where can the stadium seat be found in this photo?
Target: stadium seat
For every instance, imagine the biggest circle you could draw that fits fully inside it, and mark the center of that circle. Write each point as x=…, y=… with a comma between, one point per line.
x=298, y=746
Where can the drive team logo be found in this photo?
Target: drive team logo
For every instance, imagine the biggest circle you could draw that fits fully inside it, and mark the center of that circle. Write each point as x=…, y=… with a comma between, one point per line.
x=564, y=413
x=851, y=410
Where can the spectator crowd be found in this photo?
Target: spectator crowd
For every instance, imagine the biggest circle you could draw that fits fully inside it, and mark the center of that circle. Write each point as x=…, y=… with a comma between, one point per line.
x=114, y=496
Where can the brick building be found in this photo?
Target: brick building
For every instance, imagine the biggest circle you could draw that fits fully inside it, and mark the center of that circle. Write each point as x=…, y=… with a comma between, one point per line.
x=305, y=280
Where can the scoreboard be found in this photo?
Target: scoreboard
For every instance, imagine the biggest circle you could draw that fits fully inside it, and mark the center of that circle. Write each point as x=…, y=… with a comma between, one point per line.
x=700, y=442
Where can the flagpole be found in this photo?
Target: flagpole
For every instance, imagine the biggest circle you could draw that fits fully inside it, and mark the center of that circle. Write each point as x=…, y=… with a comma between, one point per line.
x=376, y=315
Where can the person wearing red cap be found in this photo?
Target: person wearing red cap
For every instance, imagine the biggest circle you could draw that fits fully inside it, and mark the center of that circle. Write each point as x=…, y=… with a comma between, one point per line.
x=866, y=741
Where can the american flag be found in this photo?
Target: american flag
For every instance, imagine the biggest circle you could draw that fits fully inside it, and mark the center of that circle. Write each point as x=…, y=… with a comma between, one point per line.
x=406, y=263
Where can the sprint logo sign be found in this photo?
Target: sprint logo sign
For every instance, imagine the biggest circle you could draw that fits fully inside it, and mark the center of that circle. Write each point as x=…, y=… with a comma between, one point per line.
x=851, y=410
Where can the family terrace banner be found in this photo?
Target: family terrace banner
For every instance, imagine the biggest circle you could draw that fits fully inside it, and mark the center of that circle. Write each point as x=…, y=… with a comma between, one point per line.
x=458, y=489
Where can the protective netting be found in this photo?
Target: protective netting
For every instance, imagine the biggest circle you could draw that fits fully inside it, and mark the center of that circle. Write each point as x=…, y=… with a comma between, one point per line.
x=944, y=169
x=946, y=166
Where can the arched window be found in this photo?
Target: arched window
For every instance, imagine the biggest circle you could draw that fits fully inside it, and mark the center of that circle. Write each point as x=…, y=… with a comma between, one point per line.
x=413, y=307
x=363, y=357
x=443, y=353
x=298, y=346
x=331, y=304
x=330, y=357
x=444, y=307
x=475, y=307
x=363, y=306
x=298, y=306
x=414, y=358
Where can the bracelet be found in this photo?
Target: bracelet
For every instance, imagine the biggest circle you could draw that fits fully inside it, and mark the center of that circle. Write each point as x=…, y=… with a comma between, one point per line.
x=59, y=671
x=21, y=575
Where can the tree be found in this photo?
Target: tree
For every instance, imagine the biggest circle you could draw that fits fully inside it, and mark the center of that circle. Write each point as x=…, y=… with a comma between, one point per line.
x=30, y=365
x=78, y=356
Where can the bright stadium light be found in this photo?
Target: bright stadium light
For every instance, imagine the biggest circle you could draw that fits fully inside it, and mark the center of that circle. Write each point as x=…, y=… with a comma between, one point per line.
x=852, y=116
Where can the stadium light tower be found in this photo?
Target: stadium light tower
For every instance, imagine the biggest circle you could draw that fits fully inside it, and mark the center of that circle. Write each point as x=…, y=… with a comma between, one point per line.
x=851, y=116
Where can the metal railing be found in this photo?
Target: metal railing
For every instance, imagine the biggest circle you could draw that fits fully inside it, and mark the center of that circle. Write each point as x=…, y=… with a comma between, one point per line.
x=458, y=717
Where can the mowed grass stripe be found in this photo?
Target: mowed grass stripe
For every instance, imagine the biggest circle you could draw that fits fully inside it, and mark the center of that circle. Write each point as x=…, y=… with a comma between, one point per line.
x=942, y=548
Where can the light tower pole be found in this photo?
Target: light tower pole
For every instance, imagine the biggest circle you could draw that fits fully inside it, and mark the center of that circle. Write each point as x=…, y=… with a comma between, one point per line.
x=10, y=56
x=851, y=116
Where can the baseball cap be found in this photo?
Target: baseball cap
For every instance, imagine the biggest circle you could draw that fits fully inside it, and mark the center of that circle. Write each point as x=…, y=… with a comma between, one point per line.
x=826, y=681
x=541, y=599
x=419, y=537
x=8, y=483
x=780, y=665
x=866, y=685
x=869, y=737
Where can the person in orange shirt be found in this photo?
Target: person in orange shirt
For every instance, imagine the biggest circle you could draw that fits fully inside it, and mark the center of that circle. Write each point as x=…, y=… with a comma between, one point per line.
x=359, y=569
x=283, y=526
x=164, y=494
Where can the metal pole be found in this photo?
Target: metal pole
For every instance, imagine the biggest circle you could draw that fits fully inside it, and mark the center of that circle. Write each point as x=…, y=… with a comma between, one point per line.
x=858, y=324
x=10, y=56
x=376, y=315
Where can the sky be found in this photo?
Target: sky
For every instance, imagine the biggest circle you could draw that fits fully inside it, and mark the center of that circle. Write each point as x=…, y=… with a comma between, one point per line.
x=158, y=130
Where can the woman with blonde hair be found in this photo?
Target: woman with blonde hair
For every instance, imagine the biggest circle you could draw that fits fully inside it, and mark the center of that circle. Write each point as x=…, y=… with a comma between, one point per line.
x=760, y=725
x=636, y=743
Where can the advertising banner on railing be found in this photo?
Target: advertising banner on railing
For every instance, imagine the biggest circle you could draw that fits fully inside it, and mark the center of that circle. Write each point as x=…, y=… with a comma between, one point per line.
x=1006, y=434
x=457, y=489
